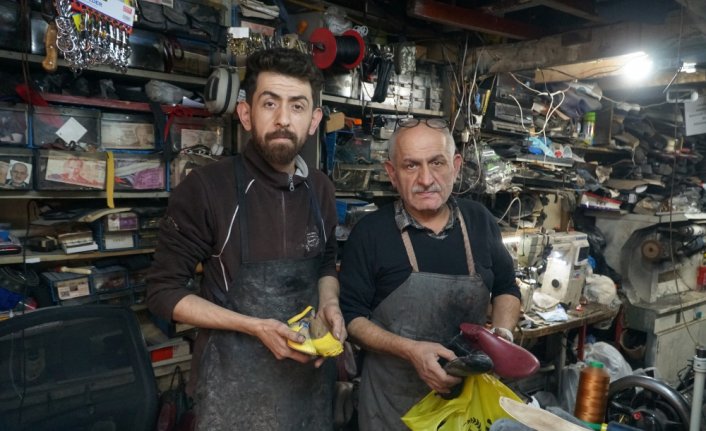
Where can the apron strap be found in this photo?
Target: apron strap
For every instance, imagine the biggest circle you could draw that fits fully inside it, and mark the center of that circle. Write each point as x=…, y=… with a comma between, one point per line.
x=410, y=251
x=240, y=187
x=466, y=244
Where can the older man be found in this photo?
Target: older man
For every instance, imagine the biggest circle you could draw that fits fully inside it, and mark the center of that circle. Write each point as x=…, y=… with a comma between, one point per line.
x=19, y=176
x=414, y=270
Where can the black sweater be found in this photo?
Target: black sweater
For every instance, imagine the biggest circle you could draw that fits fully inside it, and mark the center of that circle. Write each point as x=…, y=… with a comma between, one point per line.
x=199, y=216
x=375, y=263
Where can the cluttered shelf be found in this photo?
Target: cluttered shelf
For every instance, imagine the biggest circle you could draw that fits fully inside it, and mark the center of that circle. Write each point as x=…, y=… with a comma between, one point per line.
x=35, y=257
x=80, y=194
x=379, y=106
x=591, y=313
x=648, y=218
x=122, y=104
x=137, y=73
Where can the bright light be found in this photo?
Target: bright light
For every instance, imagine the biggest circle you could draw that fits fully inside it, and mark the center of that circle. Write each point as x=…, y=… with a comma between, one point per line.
x=638, y=67
x=688, y=67
x=511, y=239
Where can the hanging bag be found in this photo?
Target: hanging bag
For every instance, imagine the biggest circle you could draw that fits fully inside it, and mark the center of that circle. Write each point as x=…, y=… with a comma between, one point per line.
x=475, y=409
x=175, y=406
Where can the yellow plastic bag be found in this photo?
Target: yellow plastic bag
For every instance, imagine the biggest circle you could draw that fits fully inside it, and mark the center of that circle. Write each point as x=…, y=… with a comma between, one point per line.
x=475, y=409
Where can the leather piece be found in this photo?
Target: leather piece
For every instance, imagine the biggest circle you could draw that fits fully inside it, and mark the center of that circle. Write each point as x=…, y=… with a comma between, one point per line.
x=511, y=360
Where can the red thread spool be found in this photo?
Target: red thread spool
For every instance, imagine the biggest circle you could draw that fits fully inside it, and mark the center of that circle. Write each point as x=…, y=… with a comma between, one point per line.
x=592, y=394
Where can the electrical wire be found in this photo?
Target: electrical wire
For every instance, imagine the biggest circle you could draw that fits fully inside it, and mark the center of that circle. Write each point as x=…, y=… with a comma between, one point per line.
x=671, y=201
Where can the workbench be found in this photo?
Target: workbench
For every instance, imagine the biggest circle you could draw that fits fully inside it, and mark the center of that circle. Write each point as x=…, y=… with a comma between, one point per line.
x=556, y=332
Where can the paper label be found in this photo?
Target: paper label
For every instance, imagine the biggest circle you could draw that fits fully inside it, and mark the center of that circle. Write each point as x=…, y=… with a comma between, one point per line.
x=71, y=131
x=695, y=117
x=116, y=9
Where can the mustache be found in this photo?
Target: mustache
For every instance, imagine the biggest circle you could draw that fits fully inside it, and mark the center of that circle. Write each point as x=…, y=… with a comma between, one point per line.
x=422, y=189
x=280, y=134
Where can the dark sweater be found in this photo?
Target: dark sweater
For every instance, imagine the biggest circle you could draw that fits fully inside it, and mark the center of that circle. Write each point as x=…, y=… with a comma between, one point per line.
x=375, y=263
x=197, y=222
x=198, y=219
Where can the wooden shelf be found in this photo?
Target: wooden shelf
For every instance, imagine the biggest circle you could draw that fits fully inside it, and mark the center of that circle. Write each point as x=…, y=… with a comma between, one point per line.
x=378, y=106
x=33, y=257
x=135, y=73
x=366, y=194
x=79, y=194
x=121, y=104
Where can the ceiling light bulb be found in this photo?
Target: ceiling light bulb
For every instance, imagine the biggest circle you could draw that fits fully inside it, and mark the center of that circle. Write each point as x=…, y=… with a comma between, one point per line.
x=638, y=68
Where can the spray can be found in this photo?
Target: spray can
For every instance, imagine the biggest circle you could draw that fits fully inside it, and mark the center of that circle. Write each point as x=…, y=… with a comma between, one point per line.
x=592, y=394
x=588, y=127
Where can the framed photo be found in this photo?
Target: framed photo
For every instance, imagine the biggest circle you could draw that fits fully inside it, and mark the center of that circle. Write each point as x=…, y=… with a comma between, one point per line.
x=18, y=175
x=128, y=136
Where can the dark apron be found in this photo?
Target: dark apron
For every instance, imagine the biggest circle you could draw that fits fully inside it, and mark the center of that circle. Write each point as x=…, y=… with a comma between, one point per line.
x=426, y=307
x=241, y=385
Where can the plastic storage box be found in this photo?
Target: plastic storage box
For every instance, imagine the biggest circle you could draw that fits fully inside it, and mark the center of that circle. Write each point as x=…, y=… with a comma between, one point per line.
x=68, y=288
x=127, y=132
x=69, y=170
x=65, y=128
x=13, y=125
x=139, y=172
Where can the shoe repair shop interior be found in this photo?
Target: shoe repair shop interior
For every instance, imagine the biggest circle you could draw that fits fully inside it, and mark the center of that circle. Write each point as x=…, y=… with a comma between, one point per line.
x=581, y=126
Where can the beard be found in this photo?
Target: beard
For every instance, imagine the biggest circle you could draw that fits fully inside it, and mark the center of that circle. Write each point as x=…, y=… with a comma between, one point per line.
x=279, y=153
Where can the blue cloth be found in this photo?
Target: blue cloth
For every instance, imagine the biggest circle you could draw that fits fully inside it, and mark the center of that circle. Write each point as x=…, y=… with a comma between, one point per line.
x=9, y=299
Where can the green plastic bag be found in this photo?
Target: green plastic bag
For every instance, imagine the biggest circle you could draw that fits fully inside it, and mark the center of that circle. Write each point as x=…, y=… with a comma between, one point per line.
x=475, y=409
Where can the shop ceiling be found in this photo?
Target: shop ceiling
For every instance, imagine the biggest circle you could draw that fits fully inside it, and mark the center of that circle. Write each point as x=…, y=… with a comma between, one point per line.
x=514, y=35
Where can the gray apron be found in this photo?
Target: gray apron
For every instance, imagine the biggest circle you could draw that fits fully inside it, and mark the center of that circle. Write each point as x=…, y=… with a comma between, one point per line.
x=426, y=307
x=241, y=385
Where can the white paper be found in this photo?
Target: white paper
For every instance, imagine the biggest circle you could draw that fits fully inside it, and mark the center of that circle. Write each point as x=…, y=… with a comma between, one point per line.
x=72, y=130
x=695, y=117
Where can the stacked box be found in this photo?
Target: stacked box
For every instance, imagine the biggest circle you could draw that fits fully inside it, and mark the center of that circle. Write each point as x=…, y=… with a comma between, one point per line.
x=65, y=128
x=13, y=125
x=127, y=132
x=137, y=279
x=69, y=170
x=68, y=288
x=16, y=169
x=116, y=231
x=109, y=279
x=183, y=164
x=11, y=26
x=147, y=238
x=197, y=134
x=139, y=172
x=435, y=96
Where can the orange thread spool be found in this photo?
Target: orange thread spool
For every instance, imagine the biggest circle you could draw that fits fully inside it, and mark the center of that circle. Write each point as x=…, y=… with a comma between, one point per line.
x=592, y=394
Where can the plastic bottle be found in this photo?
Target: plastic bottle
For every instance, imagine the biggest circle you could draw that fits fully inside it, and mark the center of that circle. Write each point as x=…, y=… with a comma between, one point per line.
x=588, y=127
x=592, y=393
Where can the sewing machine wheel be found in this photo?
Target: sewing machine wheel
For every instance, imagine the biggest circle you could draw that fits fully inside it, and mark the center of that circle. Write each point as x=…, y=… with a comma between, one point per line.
x=648, y=404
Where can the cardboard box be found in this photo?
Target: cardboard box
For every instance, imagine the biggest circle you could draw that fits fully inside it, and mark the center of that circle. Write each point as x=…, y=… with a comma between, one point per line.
x=335, y=122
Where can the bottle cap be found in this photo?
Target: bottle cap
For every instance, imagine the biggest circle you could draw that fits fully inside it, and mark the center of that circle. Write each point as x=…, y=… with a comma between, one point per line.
x=595, y=364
